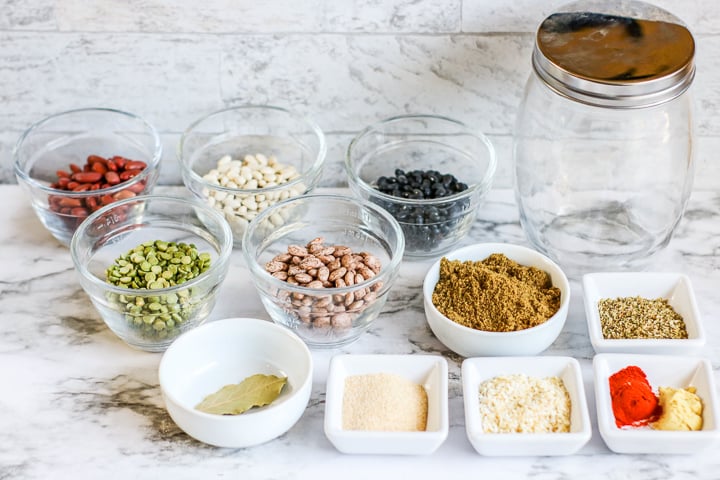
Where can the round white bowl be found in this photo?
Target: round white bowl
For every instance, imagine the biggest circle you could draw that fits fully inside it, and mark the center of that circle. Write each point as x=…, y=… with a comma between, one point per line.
x=224, y=352
x=470, y=342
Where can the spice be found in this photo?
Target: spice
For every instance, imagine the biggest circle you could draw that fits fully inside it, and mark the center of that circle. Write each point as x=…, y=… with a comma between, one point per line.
x=151, y=266
x=681, y=408
x=523, y=404
x=255, y=391
x=425, y=226
x=633, y=401
x=495, y=294
x=638, y=317
x=384, y=402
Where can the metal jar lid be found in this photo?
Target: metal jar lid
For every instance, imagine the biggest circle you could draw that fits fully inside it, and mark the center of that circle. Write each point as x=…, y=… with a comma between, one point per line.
x=632, y=55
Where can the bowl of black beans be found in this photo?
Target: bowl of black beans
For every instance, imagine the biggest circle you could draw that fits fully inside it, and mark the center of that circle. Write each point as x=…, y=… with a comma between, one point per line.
x=430, y=172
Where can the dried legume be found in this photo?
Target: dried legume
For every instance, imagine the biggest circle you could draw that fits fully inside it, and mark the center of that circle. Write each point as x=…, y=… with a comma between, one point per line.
x=98, y=173
x=321, y=266
x=151, y=266
x=254, y=172
x=640, y=318
x=424, y=226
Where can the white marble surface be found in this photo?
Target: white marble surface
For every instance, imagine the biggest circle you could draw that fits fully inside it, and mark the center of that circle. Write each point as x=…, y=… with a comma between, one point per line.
x=77, y=403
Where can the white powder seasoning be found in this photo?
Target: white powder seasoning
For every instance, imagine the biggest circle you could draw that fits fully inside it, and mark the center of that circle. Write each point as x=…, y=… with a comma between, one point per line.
x=523, y=404
x=384, y=402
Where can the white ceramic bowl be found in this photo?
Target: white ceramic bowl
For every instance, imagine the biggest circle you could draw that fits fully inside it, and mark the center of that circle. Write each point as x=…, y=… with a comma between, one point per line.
x=674, y=287
x=224, y=352
x=661, y=371
x=430, y=371
x=470, y=342
x=477, y=370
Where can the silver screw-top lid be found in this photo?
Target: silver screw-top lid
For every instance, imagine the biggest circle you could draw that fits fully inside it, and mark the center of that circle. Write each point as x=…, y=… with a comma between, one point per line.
x=624, y=54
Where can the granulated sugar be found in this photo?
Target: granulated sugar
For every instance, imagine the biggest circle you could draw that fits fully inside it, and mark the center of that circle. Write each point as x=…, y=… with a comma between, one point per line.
x=384, y=402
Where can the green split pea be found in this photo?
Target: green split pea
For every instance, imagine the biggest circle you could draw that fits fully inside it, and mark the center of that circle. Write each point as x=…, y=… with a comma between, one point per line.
x=155, y=265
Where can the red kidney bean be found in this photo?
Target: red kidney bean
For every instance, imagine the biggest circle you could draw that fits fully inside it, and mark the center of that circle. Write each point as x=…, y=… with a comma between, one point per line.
x=112, y=178
x=99, y=167
x=70, y=202
x=87, y=177
x=119, y=161
x=96, y=174
x=135, y=165
x=123, y=194
x=112, y=166
x=128, y=174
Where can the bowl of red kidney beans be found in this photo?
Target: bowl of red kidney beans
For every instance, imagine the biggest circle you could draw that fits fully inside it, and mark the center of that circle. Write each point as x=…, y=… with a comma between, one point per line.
x=430, y=172
x=76, y=162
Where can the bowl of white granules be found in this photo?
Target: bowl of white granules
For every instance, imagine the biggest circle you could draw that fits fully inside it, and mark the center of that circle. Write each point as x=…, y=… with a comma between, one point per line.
x=387, y=404
x=523, y=406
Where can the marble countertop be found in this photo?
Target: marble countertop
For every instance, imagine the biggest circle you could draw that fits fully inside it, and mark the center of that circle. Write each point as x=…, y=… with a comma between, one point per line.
x=76, y=402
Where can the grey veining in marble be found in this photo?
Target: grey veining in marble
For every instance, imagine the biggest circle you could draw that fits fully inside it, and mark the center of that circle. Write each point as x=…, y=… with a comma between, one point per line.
x=77, y=403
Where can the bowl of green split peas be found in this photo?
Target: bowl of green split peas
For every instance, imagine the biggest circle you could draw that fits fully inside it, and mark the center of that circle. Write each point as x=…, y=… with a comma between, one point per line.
x=152, y=266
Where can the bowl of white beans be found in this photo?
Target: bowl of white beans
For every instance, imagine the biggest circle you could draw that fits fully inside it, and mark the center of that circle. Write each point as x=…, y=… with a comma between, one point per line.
x=243, y=159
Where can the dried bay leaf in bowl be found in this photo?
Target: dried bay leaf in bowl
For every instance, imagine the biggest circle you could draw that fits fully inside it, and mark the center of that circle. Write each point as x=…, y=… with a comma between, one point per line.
x=255, y=391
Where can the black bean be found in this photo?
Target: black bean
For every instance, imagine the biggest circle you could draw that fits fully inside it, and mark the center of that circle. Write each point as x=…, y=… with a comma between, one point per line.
x=425, y=227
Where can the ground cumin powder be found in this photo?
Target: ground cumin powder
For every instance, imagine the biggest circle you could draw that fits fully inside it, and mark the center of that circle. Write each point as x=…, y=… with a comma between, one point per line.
x=495, y=294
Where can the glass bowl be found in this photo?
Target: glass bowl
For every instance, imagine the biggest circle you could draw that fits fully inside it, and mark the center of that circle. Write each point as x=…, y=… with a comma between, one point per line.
x=152, y=316
x=443, y=147
x=61, y=146
x=335, y=236
x=268, y=154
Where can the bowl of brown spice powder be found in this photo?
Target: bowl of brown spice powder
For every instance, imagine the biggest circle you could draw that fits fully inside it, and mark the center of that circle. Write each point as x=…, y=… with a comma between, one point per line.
x=493, y=299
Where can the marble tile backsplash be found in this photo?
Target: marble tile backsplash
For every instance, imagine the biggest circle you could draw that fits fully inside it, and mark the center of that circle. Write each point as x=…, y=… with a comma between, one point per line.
x=346, y=63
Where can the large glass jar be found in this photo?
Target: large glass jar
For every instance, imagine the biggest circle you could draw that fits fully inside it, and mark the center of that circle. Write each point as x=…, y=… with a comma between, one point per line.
x=603, y=147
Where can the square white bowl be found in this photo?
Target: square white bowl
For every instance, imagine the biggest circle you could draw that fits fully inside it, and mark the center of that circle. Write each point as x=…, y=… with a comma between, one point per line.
x=477, y=370
x=430, y=371
x=661, y=371
x=674, y=287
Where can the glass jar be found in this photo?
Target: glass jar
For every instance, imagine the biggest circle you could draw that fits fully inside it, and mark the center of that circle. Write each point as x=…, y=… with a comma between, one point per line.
x=603, y=146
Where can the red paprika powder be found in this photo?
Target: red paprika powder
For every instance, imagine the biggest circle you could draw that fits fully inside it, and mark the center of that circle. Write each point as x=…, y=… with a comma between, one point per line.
x=633, y=401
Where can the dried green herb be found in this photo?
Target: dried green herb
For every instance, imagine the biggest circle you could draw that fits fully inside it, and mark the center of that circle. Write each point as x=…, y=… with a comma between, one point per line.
x=255, y=391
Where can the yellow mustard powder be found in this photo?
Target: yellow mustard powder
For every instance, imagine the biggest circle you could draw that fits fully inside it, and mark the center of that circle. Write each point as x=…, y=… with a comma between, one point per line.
x=681, y=409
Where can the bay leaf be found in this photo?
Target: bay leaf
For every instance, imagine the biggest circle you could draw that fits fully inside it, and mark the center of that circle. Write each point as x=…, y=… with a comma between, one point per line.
x=255, y=391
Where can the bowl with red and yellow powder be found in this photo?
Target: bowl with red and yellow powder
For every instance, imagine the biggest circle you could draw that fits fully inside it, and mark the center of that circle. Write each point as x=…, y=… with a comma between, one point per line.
x=656, y=404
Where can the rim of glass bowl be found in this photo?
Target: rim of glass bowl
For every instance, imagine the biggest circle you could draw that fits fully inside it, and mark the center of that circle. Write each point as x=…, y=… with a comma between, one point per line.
x=386, y=270
x=151, y=169
x=312, y=173
x=222, y=259
x=484, y=184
